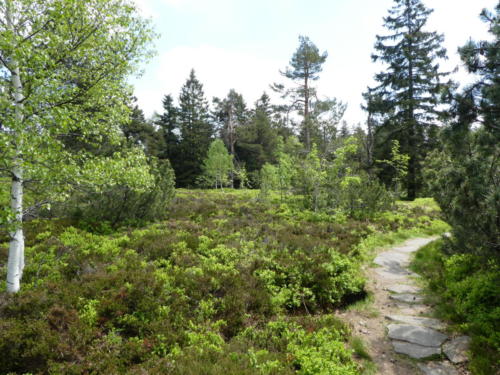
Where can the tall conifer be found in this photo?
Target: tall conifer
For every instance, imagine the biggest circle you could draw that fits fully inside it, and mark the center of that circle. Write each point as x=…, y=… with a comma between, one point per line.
x=407, y=96
x=196, y=131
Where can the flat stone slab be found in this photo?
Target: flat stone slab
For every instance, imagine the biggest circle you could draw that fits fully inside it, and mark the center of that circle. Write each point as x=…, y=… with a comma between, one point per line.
x=418, y=321
x=402, y=288
x=395, y=274
x=414, y=350
x=407, y=298
x=437, y=368
x=456, y=349
x=392, y=258
x=416, y=334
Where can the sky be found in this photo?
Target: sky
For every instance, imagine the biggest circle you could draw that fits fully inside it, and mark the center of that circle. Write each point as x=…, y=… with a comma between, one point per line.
x=243, y=44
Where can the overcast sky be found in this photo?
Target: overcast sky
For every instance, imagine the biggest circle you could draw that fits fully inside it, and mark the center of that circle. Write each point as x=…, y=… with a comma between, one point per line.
x=242, y=44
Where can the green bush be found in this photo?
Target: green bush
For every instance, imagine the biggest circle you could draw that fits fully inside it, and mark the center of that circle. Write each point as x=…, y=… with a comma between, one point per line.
x=100, y=211
x=467, y=293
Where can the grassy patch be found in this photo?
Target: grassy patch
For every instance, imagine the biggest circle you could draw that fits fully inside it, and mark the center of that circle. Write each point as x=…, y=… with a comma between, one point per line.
x=365, y=307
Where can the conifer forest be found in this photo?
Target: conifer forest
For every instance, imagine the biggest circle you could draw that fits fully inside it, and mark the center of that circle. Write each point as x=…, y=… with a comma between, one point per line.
x=237, y=235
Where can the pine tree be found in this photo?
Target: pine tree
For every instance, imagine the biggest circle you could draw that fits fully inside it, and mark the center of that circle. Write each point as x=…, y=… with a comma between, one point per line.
x=408, y=90
x=305, y=66
x=465, y=177
x=196, y=131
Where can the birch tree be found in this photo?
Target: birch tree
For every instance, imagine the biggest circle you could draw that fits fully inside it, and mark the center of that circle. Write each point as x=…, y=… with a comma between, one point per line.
x=218, y=164
x=63, y=65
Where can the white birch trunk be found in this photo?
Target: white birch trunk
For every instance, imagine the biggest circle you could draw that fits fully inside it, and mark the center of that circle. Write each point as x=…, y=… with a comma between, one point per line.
x=15, y=264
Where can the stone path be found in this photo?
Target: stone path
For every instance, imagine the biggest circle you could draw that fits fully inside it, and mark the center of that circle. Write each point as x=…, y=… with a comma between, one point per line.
x=411, y=332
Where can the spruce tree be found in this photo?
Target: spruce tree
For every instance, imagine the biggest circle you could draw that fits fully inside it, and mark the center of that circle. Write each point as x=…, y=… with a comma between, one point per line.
x=257, y=139
x=408, y=92
x=140, y=132
x=196, y=131
x=169, y=130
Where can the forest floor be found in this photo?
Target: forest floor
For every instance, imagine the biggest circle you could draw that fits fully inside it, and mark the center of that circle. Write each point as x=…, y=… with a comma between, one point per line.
x=396, y=317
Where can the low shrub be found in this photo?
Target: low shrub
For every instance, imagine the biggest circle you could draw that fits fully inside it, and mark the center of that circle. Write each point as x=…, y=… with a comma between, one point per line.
x=467, y=292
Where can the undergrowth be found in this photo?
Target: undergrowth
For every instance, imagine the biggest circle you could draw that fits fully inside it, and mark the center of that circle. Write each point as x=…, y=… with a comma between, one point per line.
x=227, y=284
x=466, y=292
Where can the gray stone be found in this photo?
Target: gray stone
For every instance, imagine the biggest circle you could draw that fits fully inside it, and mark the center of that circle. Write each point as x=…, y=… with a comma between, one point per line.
x=456, y=349
x=415, y=334
x=407, y=297
x=437, y=368
x=418, y=321
x=395, y=274
x=414, y=350
x=402, y=288
x=392, y=259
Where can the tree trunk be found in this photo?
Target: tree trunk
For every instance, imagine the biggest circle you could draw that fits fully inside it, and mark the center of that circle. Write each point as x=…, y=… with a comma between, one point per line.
x=15, y=263
x=411, y=184
x=307, y=134
x=369, y=144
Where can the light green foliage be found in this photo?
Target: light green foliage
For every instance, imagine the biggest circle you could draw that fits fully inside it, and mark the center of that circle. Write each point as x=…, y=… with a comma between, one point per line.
x=337, y=185
x=64, y=68
x=88, y=312
x=399, y=162
x=227, y=282
x=310, y=179
x=97, y=59
x=120, y=202
x=268, y=180
x=217, y=165
x=466, y=293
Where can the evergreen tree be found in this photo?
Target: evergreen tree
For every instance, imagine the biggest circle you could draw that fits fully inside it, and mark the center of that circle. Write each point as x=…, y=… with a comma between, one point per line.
x=257, y=139
x=408, y=89
x=169, y=130
x=305, y=66
x=196, y=131
x=140, y=132
x=465, y=177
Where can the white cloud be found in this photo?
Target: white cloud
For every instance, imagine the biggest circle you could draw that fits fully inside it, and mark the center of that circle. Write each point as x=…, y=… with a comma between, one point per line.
x=219, y=70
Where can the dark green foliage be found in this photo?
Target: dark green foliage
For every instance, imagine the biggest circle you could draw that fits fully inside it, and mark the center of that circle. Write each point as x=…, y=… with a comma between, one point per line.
x=169, y=130
x=230, y=113
x=403, y=105
x=257, y=139
x=467, y=293
x=139, y=132
x=196, y=132
x=465, y=176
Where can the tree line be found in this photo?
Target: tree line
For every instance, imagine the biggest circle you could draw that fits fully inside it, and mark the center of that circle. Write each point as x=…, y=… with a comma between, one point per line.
x=71, y=136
